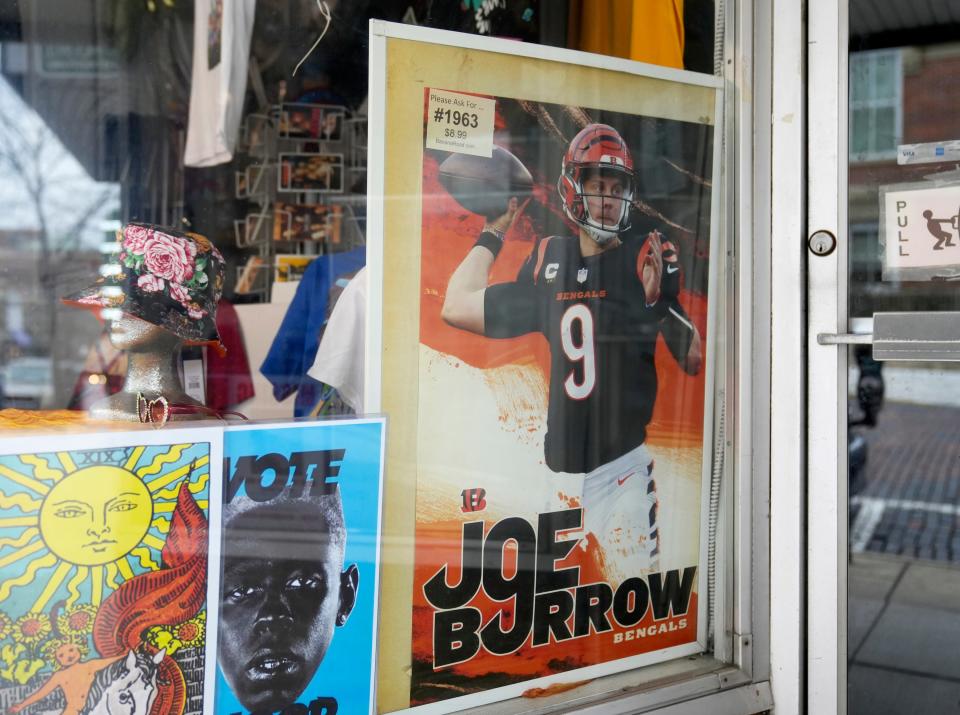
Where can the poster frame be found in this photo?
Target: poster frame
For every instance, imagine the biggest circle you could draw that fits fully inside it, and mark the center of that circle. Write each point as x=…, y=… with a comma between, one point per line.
x=332, y=424
x=377, y=346
x=47, y=441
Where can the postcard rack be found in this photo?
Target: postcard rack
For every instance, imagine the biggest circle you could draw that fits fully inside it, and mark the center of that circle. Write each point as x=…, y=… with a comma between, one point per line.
x=302, y=172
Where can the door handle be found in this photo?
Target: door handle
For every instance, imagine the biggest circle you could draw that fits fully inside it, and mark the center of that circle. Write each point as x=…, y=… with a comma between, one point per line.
x=845, y=338
x=906, y=336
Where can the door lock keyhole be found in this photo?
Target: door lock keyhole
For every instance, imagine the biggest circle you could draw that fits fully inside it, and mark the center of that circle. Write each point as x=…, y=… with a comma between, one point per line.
x=822, y=243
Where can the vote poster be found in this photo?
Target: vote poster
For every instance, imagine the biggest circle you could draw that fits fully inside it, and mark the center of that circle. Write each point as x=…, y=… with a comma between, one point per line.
x=546, y=358
x=299, y=560
x=103, y=572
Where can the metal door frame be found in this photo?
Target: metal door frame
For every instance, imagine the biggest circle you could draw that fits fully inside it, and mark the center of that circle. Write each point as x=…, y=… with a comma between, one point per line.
x=786, y=223
x=808, y=485
x=826, y=493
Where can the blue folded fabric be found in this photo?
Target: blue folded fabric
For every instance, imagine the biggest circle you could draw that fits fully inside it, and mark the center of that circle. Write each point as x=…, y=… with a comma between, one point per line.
x=295, y=346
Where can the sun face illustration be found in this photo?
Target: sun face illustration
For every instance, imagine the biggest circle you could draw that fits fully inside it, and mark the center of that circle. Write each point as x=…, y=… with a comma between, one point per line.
x=96, y=515
x=73, y=532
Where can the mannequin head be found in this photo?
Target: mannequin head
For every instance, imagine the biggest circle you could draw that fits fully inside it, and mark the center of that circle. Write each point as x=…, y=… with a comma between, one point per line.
x=162, y=293
x=136, y=335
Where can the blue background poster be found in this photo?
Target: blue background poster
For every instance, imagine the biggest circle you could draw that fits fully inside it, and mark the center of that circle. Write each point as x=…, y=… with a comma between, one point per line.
x=277, y=612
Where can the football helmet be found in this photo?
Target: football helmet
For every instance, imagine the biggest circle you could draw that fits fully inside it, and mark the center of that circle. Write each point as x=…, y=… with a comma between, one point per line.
x=597, y=147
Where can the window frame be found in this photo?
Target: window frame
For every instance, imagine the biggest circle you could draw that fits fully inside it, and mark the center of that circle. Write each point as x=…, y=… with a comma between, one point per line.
x=736, y=677
x=871, y=60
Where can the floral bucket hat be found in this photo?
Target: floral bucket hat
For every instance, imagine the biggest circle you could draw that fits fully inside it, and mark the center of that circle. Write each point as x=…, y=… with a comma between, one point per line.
x=168, y=278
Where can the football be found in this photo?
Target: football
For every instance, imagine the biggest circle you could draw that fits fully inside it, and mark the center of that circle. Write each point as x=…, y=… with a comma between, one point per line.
x=484, y=185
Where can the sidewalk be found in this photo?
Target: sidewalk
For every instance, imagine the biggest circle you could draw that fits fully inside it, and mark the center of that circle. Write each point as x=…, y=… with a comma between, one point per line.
x=903, y=636
x=910, y=504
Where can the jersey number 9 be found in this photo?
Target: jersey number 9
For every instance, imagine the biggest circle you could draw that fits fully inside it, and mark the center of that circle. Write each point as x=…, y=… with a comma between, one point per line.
x=576, y=352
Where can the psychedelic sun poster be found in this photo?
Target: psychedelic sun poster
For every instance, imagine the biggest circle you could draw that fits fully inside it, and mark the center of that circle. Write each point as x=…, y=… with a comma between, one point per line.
x=103, y=572
x=300, y=555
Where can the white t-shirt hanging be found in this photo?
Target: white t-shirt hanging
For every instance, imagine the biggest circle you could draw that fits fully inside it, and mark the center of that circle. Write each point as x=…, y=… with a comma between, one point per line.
x=339, y=361
x=221, y=50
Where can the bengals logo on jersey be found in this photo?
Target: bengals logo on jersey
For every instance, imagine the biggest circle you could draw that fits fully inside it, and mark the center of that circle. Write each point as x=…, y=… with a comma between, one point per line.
x=473, y=500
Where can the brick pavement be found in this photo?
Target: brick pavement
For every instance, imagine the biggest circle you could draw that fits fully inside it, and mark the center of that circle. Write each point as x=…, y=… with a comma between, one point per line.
x=912, y=484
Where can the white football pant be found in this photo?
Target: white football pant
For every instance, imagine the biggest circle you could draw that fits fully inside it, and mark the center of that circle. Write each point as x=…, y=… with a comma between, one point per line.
x=620, y=509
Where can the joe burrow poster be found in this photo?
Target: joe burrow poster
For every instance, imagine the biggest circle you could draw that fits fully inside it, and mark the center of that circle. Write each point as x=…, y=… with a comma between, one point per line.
x=300, y=549
x=103, y=572
x=562, y=382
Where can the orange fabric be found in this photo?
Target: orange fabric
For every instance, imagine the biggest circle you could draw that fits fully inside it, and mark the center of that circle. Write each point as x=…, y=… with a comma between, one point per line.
x=605, y=26
x=656, y=32
x=15, y=419
x=643, y=30
x=31, y=419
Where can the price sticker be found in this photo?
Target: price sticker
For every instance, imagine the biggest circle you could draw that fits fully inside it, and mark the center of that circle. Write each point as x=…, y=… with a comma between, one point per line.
x=460, y=123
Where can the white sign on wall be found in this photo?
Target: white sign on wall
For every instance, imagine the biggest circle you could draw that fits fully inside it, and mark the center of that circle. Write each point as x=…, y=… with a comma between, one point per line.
x=920, y=230
x=928, y=153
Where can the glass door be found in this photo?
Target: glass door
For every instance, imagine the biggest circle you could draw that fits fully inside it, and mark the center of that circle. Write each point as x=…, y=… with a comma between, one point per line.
x=883, y=491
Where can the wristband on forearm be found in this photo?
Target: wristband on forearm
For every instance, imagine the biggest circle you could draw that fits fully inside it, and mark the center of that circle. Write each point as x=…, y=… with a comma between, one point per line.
x=670, y=276
x=678, y=332
x=670, y=282
x=491, y=241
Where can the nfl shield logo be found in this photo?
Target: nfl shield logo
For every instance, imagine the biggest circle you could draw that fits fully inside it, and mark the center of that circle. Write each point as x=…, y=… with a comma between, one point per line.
x=581, y=275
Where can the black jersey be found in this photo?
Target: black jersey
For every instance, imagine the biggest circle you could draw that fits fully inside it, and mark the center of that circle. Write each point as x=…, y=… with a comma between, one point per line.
x=602, y=334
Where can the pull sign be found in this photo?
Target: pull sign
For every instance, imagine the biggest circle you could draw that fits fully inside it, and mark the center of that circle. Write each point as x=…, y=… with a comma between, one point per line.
x=920, y=231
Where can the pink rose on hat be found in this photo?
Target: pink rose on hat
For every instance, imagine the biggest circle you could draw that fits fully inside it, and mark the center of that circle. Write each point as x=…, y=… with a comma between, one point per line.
x=135, y=238
x=149, y=283
x=169, y=257
x=163, y=276
x=179, y=293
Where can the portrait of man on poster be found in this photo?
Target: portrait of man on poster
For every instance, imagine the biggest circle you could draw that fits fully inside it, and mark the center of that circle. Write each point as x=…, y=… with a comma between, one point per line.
x=601, y=298
x=284, y=591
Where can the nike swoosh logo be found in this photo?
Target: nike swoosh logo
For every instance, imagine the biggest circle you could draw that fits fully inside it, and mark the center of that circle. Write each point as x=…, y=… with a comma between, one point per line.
x=621, y=480
x=673, y=269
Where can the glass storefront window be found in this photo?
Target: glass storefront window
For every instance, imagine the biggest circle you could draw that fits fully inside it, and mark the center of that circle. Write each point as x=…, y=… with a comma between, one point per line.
x=902, y=527
x=192, y=233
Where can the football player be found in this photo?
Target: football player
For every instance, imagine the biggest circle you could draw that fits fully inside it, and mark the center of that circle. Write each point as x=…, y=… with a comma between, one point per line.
x=601, y=298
